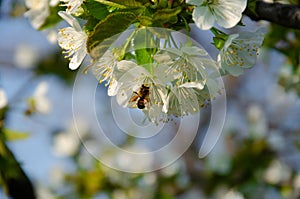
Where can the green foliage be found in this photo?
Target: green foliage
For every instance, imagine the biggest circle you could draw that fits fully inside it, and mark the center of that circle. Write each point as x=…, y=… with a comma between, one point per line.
x=113, y=24
x=12, y=135
x=167, y=15
x=95, y=9
x=243, y=171
x=128, y=3
x=286, y=41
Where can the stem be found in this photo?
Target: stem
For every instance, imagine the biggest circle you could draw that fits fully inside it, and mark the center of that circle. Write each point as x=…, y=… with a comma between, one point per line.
x=217, y=32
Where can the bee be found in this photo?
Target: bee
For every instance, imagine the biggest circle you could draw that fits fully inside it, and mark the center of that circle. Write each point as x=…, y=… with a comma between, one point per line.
x=141, y=97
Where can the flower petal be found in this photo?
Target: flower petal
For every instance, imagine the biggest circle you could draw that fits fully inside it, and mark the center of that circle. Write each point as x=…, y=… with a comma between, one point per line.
x=77, y=58
x=195, y=2
x=203, y=17
x=70, y=20
x=229, y=12
x=197, y=85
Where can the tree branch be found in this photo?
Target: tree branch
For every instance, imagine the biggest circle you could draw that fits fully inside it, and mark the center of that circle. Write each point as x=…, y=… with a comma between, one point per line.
x=282, y=14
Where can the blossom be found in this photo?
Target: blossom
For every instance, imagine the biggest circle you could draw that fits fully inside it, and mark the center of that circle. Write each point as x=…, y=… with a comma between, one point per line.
x=38, y=12
x=72, y=5
x=182, y=100
x=226, y=13
x=72, y=40
x=65, y=144
x=105, y=69
x=26, y=56
x=41, y=102
x=3, y=99
x=240, y=51
x=130, y=82
x=185, y=64
x=38, y=102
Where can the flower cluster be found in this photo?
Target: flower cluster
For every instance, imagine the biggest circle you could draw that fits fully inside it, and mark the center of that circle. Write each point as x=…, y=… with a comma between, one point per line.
x=178, y=82
x=162, y=81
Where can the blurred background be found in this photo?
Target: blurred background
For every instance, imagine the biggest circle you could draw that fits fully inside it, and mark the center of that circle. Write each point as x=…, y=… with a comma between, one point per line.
x=257, y=155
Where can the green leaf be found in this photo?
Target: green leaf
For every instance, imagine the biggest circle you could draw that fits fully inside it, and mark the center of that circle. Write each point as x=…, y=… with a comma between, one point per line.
x=112, y=4
x=145, y=21
x=167, y=15
x=96, y=9
x=128, y=3
x=11, y=135
x=113, y=24
x=90, y=24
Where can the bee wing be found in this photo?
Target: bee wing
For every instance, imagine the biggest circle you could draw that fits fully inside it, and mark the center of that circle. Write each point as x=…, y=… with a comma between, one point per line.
x=134, y=98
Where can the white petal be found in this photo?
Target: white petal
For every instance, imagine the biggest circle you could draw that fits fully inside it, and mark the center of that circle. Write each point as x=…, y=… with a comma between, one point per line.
x=195, y=2
x=125, y=65
x=37, y=17
x=230, y=39
x=70, y=20
x=229, y=12
x=113, y=87
x=77, y=58
x=194, y=51
x=65, y=144
x=162, y=57
x=203, y=18
x=162, y=73
x=41, y=89
x=42, y=104
x=197, y=85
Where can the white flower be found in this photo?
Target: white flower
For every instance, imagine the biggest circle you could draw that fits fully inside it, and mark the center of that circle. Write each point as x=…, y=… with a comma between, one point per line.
x=277, y=172
x=189, y=98
x=104, y=69
x=72, y=40
x=3, y=99
x=41, y=102
x=240, y=51
x=67, y=143
x=26, y=56
x=186, y=64
x=129, y=85
x=226, y=13
x=72, y=5
x=38, y=12
x=183, y=99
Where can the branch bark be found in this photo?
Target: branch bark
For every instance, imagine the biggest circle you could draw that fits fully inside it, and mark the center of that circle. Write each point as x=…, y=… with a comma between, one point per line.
x=282, y=14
